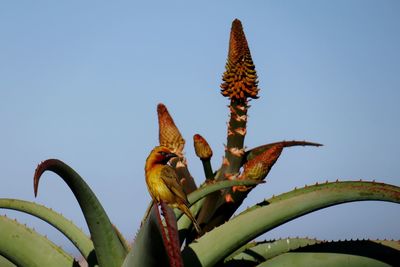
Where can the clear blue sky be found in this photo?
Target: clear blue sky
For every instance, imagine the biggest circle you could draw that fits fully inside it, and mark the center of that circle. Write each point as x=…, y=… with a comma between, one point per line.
x=80, y=81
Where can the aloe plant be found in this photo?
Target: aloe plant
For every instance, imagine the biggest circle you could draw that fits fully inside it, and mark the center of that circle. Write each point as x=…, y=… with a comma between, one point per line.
x=167, y=238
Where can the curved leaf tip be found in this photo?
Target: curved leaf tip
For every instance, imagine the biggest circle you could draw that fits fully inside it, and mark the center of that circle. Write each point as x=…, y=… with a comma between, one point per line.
x=46, y=165
x=109, y=249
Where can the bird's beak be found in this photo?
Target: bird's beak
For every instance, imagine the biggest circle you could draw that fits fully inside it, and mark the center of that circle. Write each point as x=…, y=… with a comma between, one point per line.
x=170, y=156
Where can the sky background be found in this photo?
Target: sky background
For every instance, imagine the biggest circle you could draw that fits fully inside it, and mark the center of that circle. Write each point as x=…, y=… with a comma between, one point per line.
x=80, y=81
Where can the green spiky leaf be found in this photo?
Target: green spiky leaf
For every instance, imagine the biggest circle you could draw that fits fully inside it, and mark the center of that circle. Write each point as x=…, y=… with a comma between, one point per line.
x=278, y=210
x=5, y=262
x=251, y=153
x=257, y=252
x=171, y=236
x=213, y=187
x=66, y=227
x=148, y=248
x=257, y=163
x=24, y=247
x=311, y=259
x=110, y=251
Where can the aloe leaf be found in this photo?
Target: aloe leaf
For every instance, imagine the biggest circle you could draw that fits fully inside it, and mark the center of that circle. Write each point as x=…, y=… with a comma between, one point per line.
x=109, y=250
x=310, y=259
x=213, y=187
x=171, y=236
x=148, y=248
x=186, y=232
x=251, y=153
x=70, y=230
x=394, y=244
x=184, y=222
x=256, y=251
x=122, y=239
x=256, y=163
x=278, y=210
x=200, y=193
x=203, y=191
x=6, y=263
x=197, y=199
x=383, y=250
x=25, y=247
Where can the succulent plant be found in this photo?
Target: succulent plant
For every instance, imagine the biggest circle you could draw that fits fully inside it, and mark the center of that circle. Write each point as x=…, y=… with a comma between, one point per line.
x=167, y=238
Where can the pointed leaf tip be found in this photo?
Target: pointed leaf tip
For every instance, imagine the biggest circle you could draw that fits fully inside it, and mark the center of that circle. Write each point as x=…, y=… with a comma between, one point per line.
x=40, y=169
x=109, y=249
x=299, y=143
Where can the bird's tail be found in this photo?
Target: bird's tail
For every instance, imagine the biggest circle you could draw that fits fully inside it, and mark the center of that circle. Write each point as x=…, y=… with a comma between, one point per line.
x=186, y=210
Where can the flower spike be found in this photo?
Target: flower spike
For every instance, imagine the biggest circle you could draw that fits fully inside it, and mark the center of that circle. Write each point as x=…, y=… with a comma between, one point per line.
x=240, y=78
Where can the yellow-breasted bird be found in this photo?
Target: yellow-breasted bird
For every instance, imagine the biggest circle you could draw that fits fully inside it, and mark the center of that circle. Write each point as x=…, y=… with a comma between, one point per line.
x=163, y=184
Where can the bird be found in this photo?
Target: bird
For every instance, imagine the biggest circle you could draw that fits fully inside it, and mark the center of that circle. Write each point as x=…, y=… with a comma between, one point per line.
x=163, y=182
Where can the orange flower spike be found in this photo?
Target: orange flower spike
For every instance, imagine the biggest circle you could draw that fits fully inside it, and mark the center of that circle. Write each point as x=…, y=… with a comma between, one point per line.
x=240, y=78
x=169, y=134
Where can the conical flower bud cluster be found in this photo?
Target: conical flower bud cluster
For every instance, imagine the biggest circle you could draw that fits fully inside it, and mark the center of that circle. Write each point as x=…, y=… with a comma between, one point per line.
x=240, y=78
x=169, y=134
x=258, y=167
x=201, y=147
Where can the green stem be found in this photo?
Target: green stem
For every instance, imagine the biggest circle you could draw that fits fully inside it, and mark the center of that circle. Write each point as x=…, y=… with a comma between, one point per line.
x=235, y=140
x=207, y=169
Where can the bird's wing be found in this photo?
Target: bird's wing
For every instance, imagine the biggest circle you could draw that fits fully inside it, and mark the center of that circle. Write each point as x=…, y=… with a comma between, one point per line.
x=170, y=178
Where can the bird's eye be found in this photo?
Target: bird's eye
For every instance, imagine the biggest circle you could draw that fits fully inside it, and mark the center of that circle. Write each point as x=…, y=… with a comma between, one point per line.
x=162, y=153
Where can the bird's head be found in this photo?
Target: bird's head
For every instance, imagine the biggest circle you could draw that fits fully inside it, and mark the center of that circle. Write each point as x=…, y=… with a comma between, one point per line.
x=161, y=155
